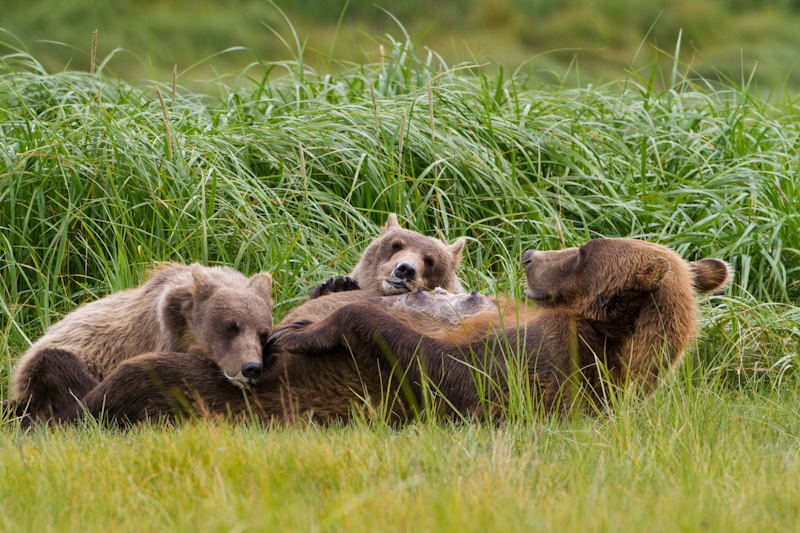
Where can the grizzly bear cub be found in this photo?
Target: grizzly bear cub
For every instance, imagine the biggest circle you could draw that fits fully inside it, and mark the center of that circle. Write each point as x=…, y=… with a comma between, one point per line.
x=400, y=261
x=213, y=312
x=613, y=310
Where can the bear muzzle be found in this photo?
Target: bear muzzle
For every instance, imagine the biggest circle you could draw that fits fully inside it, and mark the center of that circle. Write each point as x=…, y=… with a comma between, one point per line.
x=252, y=370
x=536, y=291
x=527, y=256
x=405, y=271
x=401, y=279
x=249, y=372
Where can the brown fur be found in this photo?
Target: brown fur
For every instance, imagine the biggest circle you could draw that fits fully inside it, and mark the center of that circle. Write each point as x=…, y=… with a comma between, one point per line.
x=401, y=261
x=295, y=386
x=214, y=312
x=619, y=304
x=433, y=263
x=616, y=308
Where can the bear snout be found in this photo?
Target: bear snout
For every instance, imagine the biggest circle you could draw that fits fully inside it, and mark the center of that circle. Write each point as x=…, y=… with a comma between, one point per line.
x=252, y=370
x=527, y=256
x=405, y=271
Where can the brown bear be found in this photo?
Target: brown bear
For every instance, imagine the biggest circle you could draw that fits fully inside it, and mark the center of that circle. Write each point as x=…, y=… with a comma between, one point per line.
x=611, y=312
x=213, y=312
x=292, y=387
x=398, y=264
x=400, y=261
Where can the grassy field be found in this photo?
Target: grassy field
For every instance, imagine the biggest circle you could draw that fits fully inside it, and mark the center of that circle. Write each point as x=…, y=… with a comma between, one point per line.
x=292, y=171
x=692, y=459
x=578, y=41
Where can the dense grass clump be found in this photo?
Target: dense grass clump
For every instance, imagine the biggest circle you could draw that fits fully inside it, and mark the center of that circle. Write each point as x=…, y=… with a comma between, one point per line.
x=292, y=171
x=101, y=179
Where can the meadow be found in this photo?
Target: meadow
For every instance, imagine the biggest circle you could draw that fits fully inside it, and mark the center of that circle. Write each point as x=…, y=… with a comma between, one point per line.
x=556, y=41
x=292, y=170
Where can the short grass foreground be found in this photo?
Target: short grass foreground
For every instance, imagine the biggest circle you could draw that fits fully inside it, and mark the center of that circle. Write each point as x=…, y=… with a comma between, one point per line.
x=292, y=171
x=689, y=460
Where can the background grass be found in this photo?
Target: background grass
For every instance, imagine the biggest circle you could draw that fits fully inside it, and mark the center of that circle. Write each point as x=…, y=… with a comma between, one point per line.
x=578, y=41
x=292, y=169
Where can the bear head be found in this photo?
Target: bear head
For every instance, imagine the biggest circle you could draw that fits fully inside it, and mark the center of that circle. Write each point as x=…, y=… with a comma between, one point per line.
x=612, y=279
x=401, y=261
x=225, y=317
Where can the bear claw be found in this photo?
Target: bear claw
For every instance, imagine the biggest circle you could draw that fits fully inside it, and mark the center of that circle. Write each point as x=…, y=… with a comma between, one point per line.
x=335, y=284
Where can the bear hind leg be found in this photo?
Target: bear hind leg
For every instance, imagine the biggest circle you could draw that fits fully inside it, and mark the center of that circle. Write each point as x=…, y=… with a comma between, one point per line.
x=52, y=379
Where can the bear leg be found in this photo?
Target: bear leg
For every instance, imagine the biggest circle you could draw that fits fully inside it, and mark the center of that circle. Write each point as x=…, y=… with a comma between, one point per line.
x=52, y=380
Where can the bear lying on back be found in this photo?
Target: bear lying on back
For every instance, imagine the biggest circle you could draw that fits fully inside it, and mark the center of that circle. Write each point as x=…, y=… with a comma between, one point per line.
x=617, y=310
x=621, y=304
x=213, y=312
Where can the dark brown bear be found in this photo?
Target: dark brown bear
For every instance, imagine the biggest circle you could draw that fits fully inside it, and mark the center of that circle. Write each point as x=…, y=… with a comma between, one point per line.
x=612, y=312
x=400, y=261
x=619, y=309
x=215, y=313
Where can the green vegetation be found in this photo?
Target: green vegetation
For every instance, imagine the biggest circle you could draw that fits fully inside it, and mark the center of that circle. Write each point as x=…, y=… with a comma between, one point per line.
x=691, y=460
x=581, y=41
x=291, y=169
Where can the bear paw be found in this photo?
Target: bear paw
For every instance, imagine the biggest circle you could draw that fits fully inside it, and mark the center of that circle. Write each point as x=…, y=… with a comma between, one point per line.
x=335, y=284
x=300, y=337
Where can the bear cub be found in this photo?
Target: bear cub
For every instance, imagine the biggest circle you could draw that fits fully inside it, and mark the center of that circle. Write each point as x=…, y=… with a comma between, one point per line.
x=213, y=312
x=401, y=261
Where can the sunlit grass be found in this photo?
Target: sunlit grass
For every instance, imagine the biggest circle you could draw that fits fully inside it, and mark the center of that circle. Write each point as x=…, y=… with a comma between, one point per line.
x=691, y=458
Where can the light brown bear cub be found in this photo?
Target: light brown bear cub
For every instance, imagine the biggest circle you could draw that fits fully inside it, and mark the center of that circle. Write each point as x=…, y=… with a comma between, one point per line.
x=401, y=261
x=213, y=312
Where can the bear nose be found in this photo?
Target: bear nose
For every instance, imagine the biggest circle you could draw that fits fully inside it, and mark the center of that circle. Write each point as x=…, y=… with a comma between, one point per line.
x=527, y=256
x=252, y=369
x=406, y=271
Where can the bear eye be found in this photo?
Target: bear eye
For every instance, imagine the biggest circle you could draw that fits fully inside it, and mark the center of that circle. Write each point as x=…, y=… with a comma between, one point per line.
x=263, y=338
x=428, y=262
x=231, y=327
x=397, y=246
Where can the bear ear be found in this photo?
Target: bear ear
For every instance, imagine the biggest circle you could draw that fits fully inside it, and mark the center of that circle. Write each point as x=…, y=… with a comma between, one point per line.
x=175, y=310
x=203, y=283
x=709, y=275
x=199, y=274
x=649, y=277
x=455, y=250
x=262, y=284
x=391, y=223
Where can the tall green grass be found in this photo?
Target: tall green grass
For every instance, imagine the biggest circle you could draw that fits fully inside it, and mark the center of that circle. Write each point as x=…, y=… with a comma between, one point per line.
x=293, y=173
